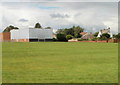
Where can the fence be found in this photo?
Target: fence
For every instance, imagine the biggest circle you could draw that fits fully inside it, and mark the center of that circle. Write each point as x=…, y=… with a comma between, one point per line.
x=101, y=41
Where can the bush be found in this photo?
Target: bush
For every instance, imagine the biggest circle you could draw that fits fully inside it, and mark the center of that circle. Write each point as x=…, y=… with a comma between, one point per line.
x=69, y=37
x=54, y=39
x=117, y=36
x=96, y=34
x=78, y=35
x=105, y=36
x=94, y=39
x=61, y=37
x=79, y=39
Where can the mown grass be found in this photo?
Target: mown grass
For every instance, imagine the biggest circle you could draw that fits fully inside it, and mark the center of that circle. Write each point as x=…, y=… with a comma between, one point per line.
x=60, y=62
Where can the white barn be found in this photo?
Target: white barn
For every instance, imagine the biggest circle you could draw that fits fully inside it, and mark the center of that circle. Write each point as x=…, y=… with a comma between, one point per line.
x=31, y=34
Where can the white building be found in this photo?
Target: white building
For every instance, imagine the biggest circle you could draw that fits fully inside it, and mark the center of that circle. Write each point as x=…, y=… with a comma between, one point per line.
x=105, y=31
x=31, y=34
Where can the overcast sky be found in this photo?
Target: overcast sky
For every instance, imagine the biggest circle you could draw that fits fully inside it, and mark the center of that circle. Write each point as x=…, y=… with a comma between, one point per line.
x=92, y=15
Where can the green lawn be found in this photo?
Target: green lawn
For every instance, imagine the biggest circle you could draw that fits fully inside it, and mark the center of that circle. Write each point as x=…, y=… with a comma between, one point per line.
x=60, y=62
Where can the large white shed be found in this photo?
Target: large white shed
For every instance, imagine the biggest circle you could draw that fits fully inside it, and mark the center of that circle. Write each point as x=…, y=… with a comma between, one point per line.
x=32, y=34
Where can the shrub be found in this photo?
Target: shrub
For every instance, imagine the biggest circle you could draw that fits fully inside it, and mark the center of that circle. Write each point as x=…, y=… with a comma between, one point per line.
x=69, y=37
x=94, y=39
x=78, y=35
x=61, y=37
x=54, y=39
x=96, y=34
x=117, y=36
x=79, y=39
x=105, y=36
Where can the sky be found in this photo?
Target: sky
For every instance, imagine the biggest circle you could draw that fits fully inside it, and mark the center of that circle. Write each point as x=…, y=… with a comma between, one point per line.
x=92, y=15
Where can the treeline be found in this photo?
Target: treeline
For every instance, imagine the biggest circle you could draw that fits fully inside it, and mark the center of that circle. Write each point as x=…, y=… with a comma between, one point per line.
x=69, y=33
x=9, y=28
x=116, y=36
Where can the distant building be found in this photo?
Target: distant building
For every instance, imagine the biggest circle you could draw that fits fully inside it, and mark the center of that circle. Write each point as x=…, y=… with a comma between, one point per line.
x=31, y=34
x=83, y=33
x=88, y=36
x=105, y=31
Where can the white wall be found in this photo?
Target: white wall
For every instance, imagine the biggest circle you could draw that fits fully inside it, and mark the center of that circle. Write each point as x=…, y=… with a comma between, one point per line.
x=32, y=33
x=48, y=33
x=40, y=33
x=24, y=34
x=14, y=34
x=20, y=34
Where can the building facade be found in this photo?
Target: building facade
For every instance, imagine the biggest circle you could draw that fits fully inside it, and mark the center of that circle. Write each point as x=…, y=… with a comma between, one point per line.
x=105, y=31
x=31, y=34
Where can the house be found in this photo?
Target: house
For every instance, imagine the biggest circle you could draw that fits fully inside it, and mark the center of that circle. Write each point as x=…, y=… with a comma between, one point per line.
x=31, y=34
x=88, y=36
x=105, y=31
x=83, y=33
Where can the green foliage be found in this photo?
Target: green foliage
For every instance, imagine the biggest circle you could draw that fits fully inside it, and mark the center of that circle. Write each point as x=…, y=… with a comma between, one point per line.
x=78, y=35
x=8, y=29
x=104, y=36
x=94, y=39
x=96, y=34
x=79, y=39
x=117, y=36
x=61, y=37
x=37, y=25
x=69, y=31
x=74, y=31
x=60, y=31
x=69, y=37
x=77, y=30
x=54, y=39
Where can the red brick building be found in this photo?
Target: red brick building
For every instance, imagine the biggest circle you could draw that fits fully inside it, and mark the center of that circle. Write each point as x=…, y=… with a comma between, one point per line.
x=5, y=37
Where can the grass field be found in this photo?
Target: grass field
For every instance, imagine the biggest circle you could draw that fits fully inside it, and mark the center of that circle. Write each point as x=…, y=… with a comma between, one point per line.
x=60, y=62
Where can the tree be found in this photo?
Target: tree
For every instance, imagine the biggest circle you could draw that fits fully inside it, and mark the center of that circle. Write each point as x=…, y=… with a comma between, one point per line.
x=9, y=28
x=74, y=31
x=37, y=25
x=78, y=35
x=60, y=31
x=68, y=31
x=117, y=36
x=105, y=36
x=61, y=37
x=96, y=34
x=77, y=30
x=69, y=37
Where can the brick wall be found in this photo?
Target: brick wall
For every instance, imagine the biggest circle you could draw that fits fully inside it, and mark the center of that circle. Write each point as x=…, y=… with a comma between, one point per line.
x=20, y=40
x=1, y=37
x=5, y=36
x=102, y=41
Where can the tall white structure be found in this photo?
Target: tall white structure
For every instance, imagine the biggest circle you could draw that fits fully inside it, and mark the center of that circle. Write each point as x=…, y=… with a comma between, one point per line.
x=105, y=31
x=32, y=34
